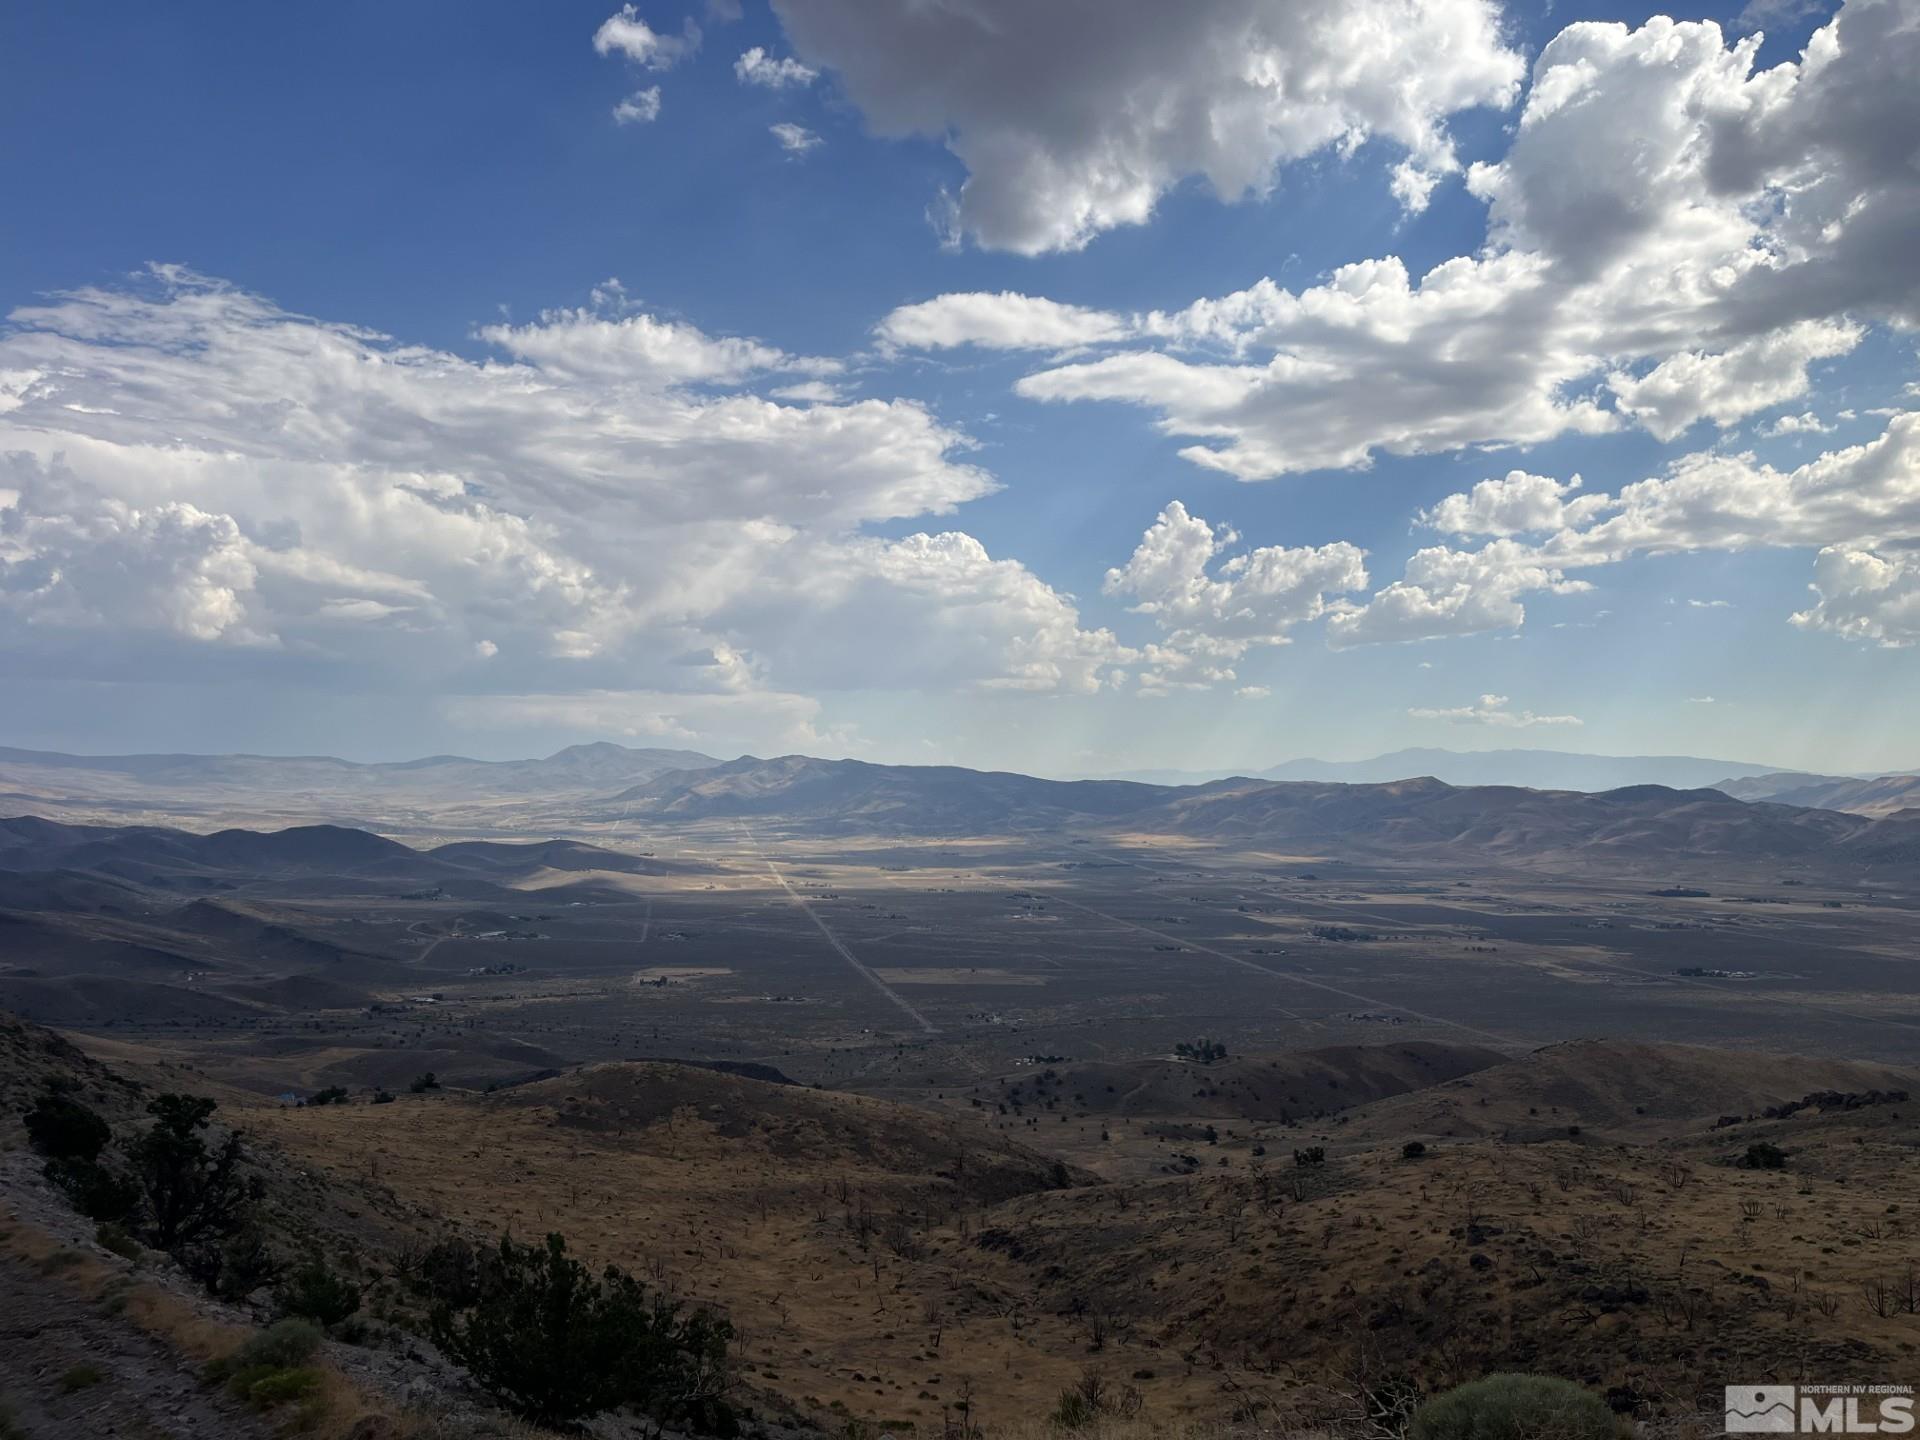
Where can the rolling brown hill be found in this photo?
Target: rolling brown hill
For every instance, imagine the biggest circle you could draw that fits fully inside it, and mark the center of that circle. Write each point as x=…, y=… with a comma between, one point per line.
x=1645, y=822
x=886, y=1264
x=101, y=1000
x=319, y=782
x=1635, y=1271
x=1614, y=1090
x=793, y=1123
x=259, y=934
x=59, y=943
x=1295, y=1084
x=852, y=795
x=318, y=856
x=830, y=1227
x=220, y=961
x=518, y=860
x=154, y=854
x=1882, y=796
x=1637, y=827
x=838, y=1232
x=73, y=890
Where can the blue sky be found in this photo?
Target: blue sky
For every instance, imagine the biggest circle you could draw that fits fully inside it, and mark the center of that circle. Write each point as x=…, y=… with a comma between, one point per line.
x=386, y=465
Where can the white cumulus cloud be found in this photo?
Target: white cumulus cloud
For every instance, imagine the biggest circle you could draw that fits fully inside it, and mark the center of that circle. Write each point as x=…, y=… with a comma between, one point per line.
x=757, y=67
x=190, y=462
x=1863, y=596
x=1212, y=605
x=1858, y=506
x=1673, y=237
x=642, y=107
x=1003, y=321
x=1076, y=116
x=794, y=139
x=624, y=33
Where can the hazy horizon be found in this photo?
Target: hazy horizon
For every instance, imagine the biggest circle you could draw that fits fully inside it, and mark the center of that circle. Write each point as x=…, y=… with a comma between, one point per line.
x=1165, y=774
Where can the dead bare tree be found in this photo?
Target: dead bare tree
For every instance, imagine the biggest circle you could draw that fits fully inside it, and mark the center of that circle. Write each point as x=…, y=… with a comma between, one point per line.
x=1882, y=1298
x=957, y=1421
x=1684, y=1307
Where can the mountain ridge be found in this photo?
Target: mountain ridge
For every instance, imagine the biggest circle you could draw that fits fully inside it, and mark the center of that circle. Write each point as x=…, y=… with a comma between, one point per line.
x=594, y=759
x=1644, y=823
x=150, y=854
x=1879, y=796
x=1533, y=768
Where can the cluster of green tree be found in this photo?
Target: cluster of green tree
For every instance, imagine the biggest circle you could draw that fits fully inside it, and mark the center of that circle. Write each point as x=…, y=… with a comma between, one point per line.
x=1516, y=1407
x=173, y=1186
x=557, y=1343
x=552, y=1340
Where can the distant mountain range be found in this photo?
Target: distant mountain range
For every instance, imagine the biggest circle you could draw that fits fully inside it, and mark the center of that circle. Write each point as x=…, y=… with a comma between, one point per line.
x=1647, y=828
x=933, y=799
x=1536, y=769
x=1650, y=828
x=1639, y=825
x=1880, y=796
x=601, y=768
x=104, y=924
x=598, y=766
x=167, y=858
x=605, y=789
x=440, y=788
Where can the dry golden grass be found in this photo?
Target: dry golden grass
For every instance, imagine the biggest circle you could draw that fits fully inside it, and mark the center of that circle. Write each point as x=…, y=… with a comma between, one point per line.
x=1655, y=1268
x=1660, y=1270
x=52, y=1256
x=876, y=1274
x=1616, y=1090
x=770, y=1231
x=183, y=1326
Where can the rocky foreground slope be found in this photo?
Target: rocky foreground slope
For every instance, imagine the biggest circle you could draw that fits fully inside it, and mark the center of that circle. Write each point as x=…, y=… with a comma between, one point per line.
x=1577, y=1211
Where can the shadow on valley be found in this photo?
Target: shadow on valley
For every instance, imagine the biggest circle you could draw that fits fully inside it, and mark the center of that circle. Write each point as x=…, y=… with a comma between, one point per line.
x=748, y=1103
